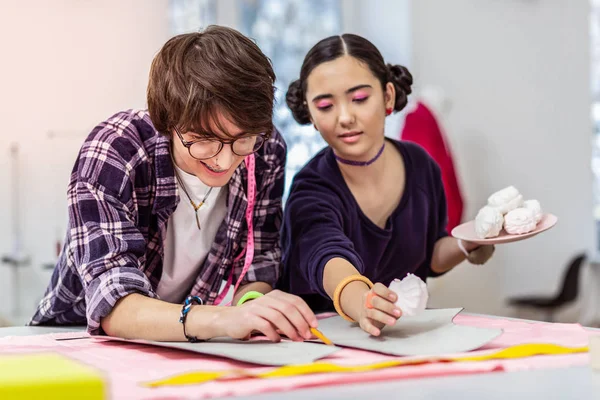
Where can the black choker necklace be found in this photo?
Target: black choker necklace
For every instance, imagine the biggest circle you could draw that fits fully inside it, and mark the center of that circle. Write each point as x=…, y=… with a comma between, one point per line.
x=360, y=163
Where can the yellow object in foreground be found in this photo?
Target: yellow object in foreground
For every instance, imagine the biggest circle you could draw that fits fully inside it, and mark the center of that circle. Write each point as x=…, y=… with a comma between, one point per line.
x=48, y=376
x=518, y=351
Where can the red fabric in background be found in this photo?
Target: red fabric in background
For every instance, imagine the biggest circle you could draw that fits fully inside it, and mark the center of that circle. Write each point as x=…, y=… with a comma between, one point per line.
x=421, y=127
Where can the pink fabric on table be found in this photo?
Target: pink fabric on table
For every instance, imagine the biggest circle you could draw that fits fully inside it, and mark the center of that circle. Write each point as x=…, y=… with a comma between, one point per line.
x=126, y=365
x=519, y=332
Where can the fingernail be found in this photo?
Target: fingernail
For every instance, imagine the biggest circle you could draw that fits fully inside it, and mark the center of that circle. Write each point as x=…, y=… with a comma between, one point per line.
x=391, y=321
x=392, y=297
x=314, y=323
x=307, y=335
x=376, y=332
x=396, y=312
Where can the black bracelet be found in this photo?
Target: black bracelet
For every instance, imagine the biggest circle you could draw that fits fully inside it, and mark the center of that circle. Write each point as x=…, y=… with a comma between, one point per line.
x=187, y=305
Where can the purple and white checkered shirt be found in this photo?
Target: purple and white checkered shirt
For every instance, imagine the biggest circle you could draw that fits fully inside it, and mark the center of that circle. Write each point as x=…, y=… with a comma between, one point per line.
x=121, y=194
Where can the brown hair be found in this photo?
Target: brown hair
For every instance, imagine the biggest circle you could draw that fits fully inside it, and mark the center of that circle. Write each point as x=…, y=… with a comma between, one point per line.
x=355, y=46
x=197, y=75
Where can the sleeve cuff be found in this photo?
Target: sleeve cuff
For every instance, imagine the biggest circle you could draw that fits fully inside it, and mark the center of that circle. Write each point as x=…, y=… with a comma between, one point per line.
x=316, y=281
x=104, y=291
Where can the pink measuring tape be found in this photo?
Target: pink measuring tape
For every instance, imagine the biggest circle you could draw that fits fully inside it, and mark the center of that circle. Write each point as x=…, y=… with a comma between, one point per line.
x=249, y=251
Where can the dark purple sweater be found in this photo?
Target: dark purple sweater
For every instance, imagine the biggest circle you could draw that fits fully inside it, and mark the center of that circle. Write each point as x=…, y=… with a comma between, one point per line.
x=322, y=220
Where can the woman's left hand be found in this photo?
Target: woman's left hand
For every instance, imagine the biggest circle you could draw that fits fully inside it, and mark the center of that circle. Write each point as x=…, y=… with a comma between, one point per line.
x=480, y=254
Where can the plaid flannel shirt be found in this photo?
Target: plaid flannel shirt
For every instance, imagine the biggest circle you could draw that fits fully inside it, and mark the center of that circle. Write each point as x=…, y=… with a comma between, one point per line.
x=120, y=197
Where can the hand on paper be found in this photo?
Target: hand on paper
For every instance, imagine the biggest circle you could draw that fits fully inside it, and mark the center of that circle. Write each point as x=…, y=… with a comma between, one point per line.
x=273, y=312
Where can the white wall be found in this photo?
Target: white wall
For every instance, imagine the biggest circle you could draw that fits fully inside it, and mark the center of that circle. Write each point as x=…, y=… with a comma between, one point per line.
x=66, y=65
x=386, y=23
x=517, y=73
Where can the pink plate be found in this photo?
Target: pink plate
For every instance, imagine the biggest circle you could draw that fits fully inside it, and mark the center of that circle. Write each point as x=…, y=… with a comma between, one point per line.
x=466, y=232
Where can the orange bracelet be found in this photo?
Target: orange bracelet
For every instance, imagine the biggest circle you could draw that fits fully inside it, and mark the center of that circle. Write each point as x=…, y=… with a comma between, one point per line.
x=338, y=292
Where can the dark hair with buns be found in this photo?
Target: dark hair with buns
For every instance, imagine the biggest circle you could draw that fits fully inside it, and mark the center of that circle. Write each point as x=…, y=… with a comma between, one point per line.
x=355, y=46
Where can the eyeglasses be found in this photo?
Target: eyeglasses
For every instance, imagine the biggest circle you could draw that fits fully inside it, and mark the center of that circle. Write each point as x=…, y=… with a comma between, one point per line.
x=203, y=149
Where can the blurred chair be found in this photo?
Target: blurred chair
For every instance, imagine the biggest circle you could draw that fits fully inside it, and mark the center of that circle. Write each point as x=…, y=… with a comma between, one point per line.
x=567, y=294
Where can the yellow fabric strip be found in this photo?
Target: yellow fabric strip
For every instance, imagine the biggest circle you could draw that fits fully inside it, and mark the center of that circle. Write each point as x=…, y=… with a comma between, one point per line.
x=518, y=351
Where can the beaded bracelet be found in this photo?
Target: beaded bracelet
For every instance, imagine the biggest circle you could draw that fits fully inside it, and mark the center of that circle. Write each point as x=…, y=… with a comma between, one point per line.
x=187, y=306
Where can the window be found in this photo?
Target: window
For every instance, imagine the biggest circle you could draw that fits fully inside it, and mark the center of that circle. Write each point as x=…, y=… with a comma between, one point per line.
x=285, y=30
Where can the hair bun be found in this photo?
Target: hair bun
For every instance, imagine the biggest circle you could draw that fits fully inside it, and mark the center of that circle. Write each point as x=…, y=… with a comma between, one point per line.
x=295, y=101
x=402, y=80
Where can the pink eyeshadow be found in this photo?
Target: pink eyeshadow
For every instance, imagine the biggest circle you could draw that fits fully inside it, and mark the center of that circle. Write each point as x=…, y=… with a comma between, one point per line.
x=322, y=104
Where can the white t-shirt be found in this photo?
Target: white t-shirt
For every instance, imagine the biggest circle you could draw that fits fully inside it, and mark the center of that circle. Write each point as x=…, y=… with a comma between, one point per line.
x=186, y=246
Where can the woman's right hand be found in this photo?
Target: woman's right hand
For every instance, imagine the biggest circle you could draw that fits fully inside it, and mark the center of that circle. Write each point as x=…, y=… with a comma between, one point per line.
x=273, y=312
x=378, y=309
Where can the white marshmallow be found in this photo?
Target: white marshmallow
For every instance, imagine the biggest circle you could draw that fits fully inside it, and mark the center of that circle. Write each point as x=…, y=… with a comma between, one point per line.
x=534, y=206
x=519, y=221
x=488, y=222
x=506, y=199
x=412, y=294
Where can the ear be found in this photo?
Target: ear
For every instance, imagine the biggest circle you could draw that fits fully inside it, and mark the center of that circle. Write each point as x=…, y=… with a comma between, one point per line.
x=390, y=95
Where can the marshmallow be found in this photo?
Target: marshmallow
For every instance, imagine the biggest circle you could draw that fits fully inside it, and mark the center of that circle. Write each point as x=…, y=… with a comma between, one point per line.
x=412, y=294
x=506, y=199
x=519, y=221
x=534, y=206
x=488, y=222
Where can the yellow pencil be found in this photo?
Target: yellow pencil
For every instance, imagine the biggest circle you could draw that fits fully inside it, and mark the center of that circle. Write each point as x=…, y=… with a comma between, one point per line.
x=320, y=336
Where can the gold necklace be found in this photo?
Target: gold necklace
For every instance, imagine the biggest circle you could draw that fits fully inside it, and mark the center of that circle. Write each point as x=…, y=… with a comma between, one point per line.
x=195, y=206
